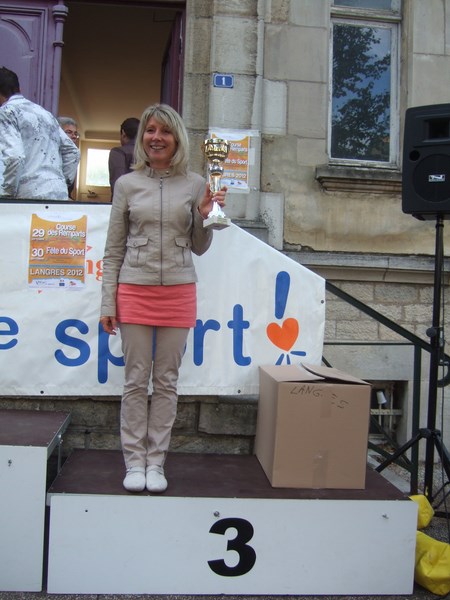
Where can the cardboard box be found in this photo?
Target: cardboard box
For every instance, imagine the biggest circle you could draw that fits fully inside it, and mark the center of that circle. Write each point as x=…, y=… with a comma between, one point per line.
x=312, y=427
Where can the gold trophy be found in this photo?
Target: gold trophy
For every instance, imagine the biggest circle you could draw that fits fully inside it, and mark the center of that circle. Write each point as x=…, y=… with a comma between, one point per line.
x=216, y=150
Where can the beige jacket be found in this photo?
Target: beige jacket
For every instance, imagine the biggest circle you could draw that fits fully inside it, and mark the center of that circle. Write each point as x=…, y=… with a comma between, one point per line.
x=154, y=227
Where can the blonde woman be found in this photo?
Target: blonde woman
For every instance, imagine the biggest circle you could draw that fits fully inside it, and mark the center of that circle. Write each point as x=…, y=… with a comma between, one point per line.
x=149, y=290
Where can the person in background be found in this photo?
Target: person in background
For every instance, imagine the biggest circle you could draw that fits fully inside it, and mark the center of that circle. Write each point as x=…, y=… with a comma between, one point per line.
x=121, y=157
x=39, y=159
x=148, y=287
x=70, y=128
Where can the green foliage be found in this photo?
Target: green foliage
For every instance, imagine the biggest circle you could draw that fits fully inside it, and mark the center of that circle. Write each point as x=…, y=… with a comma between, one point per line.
x=361, y=94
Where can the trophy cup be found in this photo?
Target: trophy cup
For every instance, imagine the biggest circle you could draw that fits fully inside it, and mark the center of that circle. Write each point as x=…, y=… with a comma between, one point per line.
x=216, y=150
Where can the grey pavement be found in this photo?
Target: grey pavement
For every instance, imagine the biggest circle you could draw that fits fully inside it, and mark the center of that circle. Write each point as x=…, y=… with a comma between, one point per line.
x=419, y=593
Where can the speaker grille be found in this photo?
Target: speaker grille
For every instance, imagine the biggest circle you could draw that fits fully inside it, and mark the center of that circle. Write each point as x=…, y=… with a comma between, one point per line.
x=431, y=178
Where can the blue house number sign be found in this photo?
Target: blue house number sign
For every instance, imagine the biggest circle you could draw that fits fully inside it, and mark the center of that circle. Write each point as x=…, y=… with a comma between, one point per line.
x=223, y=80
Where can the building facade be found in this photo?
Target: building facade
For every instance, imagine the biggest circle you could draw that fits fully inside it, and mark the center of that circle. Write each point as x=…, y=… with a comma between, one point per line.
x=321, y=87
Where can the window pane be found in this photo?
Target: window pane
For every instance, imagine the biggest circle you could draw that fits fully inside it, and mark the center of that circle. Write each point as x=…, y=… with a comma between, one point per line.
x=361, y=92
x=377, y=4
x=97, y=173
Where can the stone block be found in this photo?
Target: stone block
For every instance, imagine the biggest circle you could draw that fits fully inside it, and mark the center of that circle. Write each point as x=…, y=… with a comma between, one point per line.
x=394, y=312
x=274, y=107
x=396, y=293
x=196, y=93
x=196, y=9
x=430, y=20
x=211, y=444
x=233, y=108
x=315, y=14
x=187, y=416
x=357, y=330
x=418, y=314
x=372, y=362
x=198, y=47
x=426, y=295
x=312, y=151
x=296, y=54
x=307, y=112
x=279, y=162
x=271, y=212
x=234, y=46
x=228, y=417
x=237, y=8
x=361, y=291
x=427, y=73
x=278, y=11
x=337, y=310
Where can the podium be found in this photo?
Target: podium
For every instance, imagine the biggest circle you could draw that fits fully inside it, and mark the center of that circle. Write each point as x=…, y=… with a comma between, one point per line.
x=27, y=440
x=220, y=528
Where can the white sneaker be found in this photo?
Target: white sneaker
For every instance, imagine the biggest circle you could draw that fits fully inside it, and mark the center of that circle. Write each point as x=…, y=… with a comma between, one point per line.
x=135, y=479
x=155, y=480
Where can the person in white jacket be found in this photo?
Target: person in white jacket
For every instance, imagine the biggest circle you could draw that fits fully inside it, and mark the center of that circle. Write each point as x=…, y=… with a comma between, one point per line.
x=2, y=168
x=39, y=160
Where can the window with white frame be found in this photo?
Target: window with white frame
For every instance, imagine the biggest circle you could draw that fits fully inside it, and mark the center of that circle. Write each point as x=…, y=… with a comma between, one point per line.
x=363, y=115
x=93, y=180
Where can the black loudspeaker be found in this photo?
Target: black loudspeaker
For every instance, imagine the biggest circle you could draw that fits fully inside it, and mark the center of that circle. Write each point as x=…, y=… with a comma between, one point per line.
x=426, y=162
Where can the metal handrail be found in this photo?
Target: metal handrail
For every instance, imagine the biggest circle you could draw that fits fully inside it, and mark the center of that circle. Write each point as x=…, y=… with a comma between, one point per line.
x=418, y=344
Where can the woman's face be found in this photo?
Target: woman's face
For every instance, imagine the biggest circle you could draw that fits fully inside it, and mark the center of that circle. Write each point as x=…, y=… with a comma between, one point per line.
x=159, y=144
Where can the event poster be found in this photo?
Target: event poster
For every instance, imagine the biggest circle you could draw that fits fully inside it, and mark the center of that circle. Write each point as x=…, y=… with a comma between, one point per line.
x=236, y=165
x=57, y=251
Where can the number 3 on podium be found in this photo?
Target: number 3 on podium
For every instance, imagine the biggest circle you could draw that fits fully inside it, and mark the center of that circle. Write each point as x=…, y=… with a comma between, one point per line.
x=247, y=555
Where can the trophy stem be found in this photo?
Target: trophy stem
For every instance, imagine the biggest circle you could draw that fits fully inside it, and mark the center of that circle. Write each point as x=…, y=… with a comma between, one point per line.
x=216, y=211
x=215, y=179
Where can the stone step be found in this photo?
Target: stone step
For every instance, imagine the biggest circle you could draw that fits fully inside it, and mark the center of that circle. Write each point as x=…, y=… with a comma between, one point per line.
x=256, y=228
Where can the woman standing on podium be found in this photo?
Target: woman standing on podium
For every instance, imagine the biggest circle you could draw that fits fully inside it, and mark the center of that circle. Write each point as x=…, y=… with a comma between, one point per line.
x=148, y=288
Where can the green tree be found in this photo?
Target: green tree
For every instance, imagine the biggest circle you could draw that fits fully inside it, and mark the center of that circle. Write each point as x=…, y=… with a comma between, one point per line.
x=361, y=94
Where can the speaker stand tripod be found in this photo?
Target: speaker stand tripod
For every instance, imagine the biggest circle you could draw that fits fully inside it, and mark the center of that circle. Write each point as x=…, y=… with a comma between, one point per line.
x=430, y=433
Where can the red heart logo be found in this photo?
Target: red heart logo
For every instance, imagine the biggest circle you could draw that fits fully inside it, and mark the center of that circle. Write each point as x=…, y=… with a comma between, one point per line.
x=285, y=336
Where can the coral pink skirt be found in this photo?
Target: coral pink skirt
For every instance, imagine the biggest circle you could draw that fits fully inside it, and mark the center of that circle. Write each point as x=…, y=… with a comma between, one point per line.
x=163, y=305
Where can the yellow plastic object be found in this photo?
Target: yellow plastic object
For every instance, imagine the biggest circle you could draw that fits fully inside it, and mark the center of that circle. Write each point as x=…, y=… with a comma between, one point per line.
x=432, y=568
x=426, y=511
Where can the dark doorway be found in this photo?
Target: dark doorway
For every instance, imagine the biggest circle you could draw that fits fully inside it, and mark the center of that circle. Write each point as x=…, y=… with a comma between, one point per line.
x=117, y=59
x=112, y=60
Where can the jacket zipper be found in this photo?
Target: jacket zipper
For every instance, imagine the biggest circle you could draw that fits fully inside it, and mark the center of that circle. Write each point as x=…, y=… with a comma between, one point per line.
x=161, y=229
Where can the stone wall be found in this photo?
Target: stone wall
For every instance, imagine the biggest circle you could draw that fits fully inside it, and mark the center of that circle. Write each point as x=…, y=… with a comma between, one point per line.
x=383, y=355
x=207, y=424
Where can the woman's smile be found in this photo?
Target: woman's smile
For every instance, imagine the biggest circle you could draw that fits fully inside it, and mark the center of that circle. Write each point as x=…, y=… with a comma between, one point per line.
x=159, y=144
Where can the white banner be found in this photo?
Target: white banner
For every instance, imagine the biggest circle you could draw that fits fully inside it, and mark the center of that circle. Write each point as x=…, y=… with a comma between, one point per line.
x=255, y=307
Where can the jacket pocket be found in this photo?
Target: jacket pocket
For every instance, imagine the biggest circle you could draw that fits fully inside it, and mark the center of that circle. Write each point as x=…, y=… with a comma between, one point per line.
x=137, y=251
x=184, y=254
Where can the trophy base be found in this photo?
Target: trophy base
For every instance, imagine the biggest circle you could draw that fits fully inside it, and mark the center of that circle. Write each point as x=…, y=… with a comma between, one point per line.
x=217, y=222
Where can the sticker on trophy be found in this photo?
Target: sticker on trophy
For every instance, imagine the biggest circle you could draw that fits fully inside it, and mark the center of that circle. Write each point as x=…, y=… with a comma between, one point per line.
x=216, y=150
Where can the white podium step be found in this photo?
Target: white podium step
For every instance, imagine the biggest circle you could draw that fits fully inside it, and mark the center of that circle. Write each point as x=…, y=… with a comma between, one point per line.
x=220, y=528
x=27, y=439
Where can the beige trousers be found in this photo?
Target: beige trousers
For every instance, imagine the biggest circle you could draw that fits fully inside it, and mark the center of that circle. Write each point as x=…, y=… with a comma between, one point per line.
x=157, y=352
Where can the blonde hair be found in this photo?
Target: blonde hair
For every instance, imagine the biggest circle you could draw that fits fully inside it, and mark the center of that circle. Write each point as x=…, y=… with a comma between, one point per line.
x=169, y=117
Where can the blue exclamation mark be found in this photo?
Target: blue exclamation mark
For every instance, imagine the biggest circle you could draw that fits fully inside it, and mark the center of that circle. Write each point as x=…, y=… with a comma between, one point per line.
x=282, y=285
